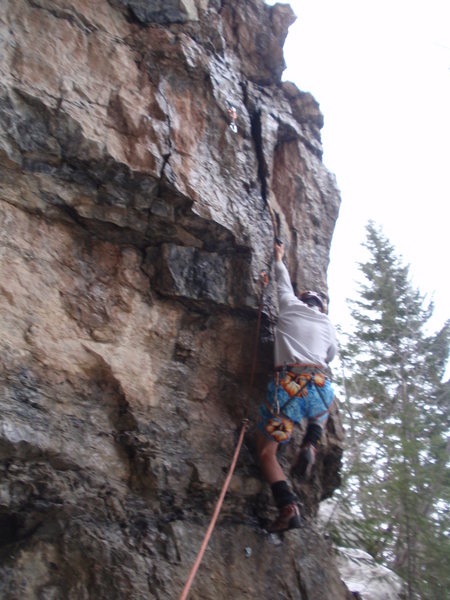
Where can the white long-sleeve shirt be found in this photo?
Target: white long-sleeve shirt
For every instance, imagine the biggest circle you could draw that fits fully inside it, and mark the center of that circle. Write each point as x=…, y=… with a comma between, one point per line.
x=303, y=333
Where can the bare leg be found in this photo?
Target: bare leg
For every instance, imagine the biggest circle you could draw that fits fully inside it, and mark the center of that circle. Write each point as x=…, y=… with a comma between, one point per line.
x=286, y=501
x=267, y=454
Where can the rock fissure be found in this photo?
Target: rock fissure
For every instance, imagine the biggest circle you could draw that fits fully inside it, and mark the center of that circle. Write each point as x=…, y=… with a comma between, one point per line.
x=72, y=16
x=256, y=129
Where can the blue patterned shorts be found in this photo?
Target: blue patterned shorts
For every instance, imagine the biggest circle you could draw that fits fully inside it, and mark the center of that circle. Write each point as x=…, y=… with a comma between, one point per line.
x=298, y=396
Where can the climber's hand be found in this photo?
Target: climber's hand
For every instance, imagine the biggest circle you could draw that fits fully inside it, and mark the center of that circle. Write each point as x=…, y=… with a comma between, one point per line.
x=278, y=250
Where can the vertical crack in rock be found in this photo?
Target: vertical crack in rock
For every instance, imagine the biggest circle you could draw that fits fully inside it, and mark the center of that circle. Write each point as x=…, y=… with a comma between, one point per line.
x=256, y=129
x=263, y=171
x=166, y=156
x=162, y=173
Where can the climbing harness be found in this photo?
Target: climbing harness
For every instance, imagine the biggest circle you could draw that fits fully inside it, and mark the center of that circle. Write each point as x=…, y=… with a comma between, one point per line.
x=295, y=379
x=279, y=428
x=265, y=281
x=289, y=383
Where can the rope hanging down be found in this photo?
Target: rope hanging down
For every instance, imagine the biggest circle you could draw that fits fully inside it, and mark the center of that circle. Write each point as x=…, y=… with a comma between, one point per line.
x=201, y=552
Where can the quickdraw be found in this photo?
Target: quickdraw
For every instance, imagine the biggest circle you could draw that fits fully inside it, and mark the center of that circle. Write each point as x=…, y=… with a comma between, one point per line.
x=233, y=116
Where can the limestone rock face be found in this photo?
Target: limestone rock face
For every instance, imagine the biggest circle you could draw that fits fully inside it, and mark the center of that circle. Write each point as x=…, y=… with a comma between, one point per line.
x=135, y=224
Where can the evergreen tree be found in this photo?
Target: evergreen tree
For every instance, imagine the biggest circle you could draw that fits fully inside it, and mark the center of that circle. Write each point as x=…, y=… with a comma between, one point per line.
x=397, y=484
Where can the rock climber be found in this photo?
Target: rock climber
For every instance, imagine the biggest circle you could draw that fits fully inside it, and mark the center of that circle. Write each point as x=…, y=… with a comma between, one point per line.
x=305, y=342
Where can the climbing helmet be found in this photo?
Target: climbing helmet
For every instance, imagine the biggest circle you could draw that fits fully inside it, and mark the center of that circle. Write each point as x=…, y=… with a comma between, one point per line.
x=312, y=299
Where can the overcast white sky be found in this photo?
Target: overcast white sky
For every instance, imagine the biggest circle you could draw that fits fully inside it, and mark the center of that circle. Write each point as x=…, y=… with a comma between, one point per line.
x=380, y=71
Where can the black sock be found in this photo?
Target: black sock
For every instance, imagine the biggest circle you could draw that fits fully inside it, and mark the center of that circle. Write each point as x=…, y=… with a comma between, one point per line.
x=282, y=494
x=313, y=434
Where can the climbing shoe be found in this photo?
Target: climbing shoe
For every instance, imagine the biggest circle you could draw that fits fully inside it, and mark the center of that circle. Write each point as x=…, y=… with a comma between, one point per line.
x=289, y=518
x=305, y=461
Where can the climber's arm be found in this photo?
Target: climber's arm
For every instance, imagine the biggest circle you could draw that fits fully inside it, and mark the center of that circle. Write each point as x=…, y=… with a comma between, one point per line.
x=278, y=251
x=284, y=286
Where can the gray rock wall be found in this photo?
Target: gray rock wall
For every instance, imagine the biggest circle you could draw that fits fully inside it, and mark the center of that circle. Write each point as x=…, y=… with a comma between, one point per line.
x=134, y=227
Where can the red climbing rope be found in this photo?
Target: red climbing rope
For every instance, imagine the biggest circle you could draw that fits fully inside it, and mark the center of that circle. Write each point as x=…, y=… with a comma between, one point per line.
x=201, y=552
